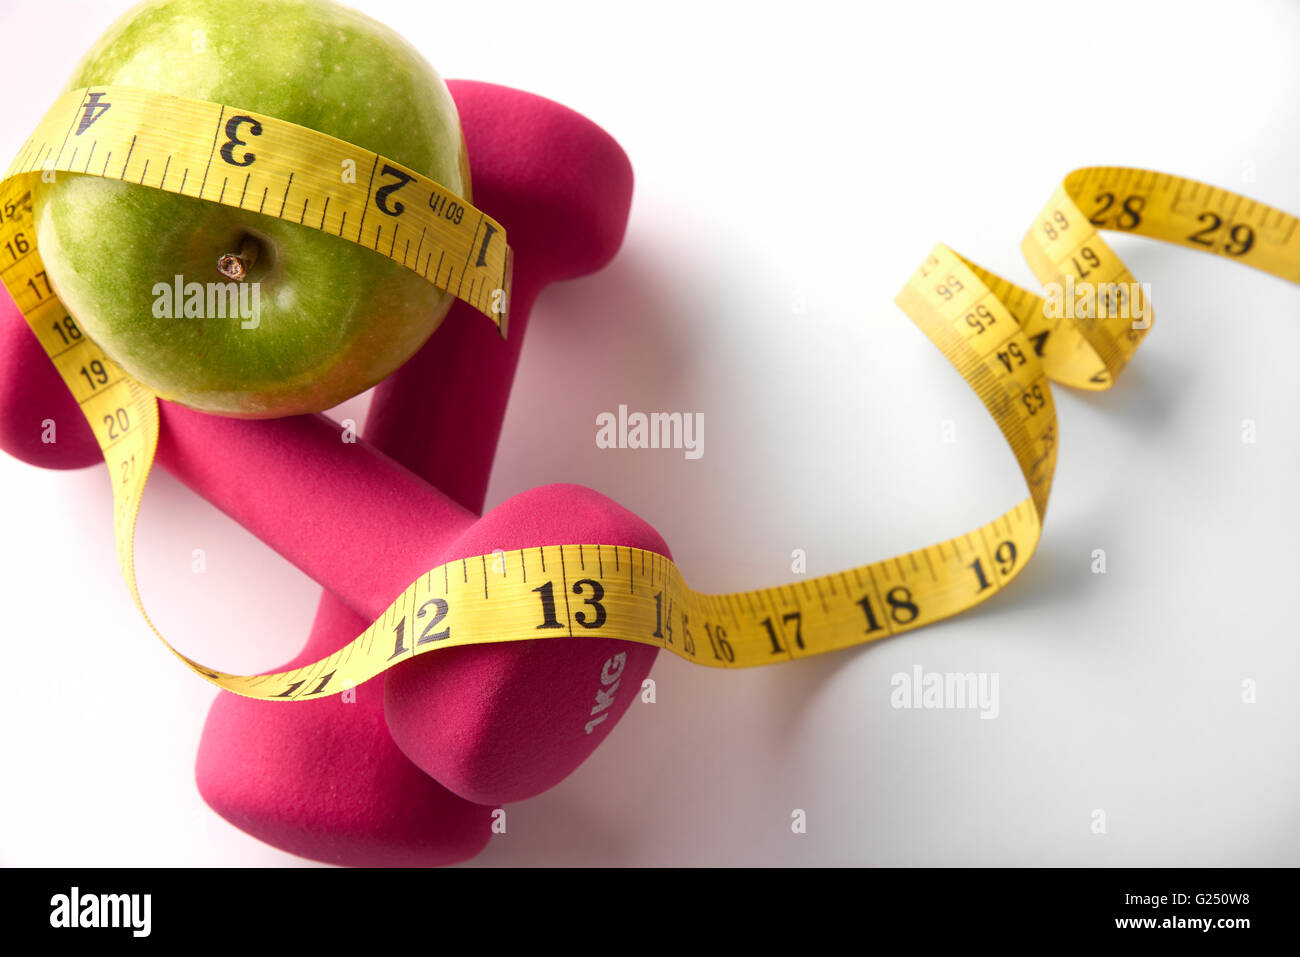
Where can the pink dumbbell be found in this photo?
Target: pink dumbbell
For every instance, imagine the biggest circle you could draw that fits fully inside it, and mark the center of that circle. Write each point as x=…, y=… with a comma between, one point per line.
x=352, y=783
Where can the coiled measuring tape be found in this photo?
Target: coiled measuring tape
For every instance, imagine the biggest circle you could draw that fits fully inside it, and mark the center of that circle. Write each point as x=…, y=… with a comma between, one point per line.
x=1007, y=343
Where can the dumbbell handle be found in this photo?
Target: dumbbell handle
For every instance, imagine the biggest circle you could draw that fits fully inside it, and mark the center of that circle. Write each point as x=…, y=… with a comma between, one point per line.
x=342, y=512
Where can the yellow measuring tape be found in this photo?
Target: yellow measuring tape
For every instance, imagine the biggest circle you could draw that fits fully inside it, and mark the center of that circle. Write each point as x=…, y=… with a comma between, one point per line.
x=1006, y=342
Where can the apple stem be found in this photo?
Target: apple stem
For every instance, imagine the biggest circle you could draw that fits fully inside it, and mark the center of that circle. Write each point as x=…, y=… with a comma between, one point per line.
x=236, y=265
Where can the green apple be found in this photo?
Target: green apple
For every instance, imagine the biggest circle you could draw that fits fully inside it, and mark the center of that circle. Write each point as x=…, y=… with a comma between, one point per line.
x=334, y=318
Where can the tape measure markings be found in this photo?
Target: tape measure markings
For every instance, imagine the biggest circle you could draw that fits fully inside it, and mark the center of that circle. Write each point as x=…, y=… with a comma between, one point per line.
x=287, y=161
x=1000, y=337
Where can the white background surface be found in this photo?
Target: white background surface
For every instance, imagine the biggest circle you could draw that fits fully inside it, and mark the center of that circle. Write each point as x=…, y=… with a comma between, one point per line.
x=879, y=129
